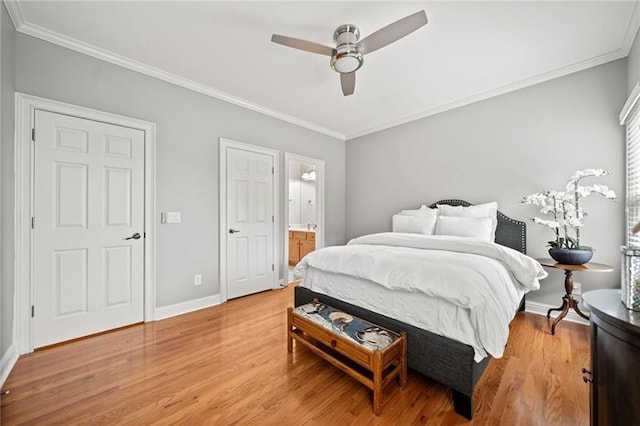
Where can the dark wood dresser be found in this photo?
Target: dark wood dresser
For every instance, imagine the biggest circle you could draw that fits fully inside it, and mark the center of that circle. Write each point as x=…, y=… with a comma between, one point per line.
x=615, y=360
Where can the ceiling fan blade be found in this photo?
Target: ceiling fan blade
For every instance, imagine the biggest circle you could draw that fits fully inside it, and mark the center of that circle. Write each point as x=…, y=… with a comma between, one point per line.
x=309, y=46
x=348, y=82
x=393, y=32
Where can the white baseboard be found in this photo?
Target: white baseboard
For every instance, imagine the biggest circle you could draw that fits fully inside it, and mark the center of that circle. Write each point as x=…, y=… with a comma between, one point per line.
x=186, y=307
x=542, y=308
x=9, y=359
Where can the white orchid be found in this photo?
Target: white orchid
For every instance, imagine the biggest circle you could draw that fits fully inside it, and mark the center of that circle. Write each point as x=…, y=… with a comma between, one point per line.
x=537, y=199
x=581, y=174
x=565, y=208
x=550, y=223
x=574, y=222
x=556, y=195
x=583, y=191
x=604, y=191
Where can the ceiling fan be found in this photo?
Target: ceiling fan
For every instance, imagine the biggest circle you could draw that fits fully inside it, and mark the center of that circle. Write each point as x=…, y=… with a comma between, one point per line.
x=348, y=55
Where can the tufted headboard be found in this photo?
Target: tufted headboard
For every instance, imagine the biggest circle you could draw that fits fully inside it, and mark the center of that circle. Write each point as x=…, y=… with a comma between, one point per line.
x=510, y=232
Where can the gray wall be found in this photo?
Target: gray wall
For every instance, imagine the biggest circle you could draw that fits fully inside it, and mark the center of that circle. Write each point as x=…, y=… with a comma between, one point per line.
x=633, y=64
x=188, y=127
x=7, y=65
x=502, y=149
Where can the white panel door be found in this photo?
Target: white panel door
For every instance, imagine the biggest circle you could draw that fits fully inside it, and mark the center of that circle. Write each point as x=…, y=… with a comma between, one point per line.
x=250, y=257
x=88, y=203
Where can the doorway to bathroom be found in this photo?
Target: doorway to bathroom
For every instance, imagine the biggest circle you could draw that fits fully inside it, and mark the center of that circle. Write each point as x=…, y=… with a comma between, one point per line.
x=304, y=215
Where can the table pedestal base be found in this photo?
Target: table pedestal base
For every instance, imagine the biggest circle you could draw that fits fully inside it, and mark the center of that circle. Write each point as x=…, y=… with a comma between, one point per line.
x=568, y=302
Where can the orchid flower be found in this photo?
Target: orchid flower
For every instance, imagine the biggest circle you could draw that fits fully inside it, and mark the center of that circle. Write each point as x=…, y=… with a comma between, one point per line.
x=550, y=223
x=581, y=174
x=565, y=208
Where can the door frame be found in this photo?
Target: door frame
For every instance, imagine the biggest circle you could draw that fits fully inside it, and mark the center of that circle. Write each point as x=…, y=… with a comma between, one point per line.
x=222, y=203
x=320, y=231
x=25, y=108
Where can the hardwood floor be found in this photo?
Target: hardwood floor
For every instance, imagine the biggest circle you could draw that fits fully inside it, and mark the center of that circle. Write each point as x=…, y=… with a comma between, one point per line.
x=229, y=364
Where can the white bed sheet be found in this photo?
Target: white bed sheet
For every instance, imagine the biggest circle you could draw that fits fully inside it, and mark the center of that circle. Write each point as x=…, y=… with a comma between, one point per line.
x=438, y=316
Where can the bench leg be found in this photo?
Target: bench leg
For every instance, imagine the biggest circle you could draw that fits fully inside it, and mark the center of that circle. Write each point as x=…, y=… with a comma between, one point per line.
x=289, y=338
x=402, y=377
x=377, y=382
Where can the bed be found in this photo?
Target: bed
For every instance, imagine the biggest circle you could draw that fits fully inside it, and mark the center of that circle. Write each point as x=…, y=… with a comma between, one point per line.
x=446, y=360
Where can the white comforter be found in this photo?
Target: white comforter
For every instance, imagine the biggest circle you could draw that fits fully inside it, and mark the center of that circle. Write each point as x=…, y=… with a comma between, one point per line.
x=483, y=278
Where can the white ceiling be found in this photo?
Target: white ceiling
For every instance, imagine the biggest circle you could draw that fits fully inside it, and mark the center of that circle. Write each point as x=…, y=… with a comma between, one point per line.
x=467, y=52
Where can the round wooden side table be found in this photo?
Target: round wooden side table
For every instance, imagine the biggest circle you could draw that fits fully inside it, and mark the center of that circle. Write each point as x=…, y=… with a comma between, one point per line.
x=568, y=302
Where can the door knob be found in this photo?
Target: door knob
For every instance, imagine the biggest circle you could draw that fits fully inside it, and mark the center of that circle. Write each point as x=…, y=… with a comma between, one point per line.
x=233, y=231
x=135, y=236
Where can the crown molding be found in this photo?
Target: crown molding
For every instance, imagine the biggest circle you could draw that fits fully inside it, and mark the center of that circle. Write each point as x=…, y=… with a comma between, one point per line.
x=632, y=28
x=627, y=43
x=15, y=13
x=22, y=26
x=511, y=87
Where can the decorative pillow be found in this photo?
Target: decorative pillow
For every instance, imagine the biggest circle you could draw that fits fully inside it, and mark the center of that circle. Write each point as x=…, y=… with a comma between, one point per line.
x=412, y=212
x=412, y=224
x=424, y=213
x=423, y=210
x=489, y=210
x=472, y=227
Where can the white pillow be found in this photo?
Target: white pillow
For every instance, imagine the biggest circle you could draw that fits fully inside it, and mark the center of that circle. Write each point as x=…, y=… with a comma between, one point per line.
x=489, y=210
x=412, y=224
x=472, y=227
x=422, y=208
x=422, y=211
x=429, y=216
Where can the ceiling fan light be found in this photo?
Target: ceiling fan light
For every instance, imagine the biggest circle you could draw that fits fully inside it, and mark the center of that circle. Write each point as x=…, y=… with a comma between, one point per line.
x=347, y=64
x=348, y=56
x=347, y=59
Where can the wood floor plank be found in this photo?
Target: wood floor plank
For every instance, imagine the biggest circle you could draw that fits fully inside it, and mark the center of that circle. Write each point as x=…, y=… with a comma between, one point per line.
x=229, y=365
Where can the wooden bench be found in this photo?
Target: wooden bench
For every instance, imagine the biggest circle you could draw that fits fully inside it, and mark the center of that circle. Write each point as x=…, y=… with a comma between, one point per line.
x=367, y=352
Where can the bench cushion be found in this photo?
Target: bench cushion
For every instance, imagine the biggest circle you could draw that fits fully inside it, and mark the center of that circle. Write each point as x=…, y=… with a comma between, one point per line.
x=357, y=330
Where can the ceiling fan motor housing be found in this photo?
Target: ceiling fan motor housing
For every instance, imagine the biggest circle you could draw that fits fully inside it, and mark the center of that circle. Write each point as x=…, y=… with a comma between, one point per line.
x=348, y=57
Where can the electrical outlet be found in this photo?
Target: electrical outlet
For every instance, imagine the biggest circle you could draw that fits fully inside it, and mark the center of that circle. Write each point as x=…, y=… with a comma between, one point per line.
x=197, y=279
x=577, y=288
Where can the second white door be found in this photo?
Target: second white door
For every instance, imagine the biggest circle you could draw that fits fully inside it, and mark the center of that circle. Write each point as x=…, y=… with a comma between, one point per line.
x=89, y=227
x=250, y=222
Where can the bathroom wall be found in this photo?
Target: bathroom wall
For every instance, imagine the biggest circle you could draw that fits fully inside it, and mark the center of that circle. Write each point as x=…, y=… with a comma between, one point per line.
x=302, y=196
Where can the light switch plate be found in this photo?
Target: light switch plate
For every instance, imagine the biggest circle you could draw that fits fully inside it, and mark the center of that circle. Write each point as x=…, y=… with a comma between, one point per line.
x=171, y=217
